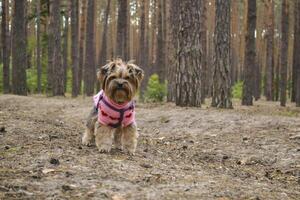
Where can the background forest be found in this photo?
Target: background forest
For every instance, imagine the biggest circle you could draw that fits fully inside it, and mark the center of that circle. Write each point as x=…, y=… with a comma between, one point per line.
x=190, y=50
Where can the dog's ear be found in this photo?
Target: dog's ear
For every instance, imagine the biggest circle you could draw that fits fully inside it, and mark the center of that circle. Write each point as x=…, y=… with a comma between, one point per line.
x=102, y=74
x=136, y=71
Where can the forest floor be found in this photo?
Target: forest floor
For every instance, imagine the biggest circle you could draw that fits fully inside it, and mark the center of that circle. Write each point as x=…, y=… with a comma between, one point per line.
x=183, y=153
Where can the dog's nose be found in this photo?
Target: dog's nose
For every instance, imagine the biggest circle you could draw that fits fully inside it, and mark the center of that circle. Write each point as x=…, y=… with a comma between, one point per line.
x=119, y=85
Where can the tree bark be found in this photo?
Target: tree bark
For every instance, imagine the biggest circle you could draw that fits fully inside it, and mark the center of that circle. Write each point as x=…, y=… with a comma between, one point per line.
x=250, y=54
x=19, y=54
x=90, y=68
x=269, y=72
x=122, y=44
x=55, y=43
x=82, y=44
x=296, y=61
x=160, y=50
x=65, y=52
x=221, y=76
x=284, y=51
x=186, y=26
x=74, y=46
x=5, y=46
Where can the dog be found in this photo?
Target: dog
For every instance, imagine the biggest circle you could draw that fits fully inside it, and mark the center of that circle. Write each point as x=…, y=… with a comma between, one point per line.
x=112, y=119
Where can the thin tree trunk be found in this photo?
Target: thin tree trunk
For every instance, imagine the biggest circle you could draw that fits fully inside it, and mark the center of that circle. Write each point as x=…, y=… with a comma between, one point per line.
x=74, y=46
x=82, y=44
x=38, y=46
x=284, y=51
x=5, y=46
x=65, y=45
x=160, y=50
x=89, y=66
x=55, y=43
x=250, y=54
x=19, y=54
x=269, y=73
x=122, y=30
x=221, y=76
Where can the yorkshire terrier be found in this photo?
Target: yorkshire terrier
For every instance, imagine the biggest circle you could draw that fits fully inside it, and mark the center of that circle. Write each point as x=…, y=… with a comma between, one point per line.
x=113, y=116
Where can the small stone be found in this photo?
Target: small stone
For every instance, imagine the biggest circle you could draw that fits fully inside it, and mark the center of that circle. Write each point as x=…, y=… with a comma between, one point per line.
x=54, y=161
x=2, y=129
x=146, y=165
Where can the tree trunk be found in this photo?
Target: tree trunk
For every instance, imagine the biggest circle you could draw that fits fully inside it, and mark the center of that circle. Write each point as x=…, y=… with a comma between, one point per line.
x=284, y=51
x=5, y=46
x=81, y=44
x=250, y=54
x=65, y=45
x=221, y=76
x=160, y=50
x=296, y=51
x=122, y=49
x=38, y=46
x=103, y=50
x=203, y=36
x=186, y=26
x=55, y=43
x=269, y=73
x=89, y=67
x=74, y=45
x=19, y=54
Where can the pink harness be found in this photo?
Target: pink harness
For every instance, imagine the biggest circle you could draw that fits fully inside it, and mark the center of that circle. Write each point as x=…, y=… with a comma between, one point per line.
x=112, y=114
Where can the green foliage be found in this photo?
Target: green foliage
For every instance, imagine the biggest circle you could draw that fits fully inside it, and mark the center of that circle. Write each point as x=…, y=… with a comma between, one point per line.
x=156, y=91
x=237, y=90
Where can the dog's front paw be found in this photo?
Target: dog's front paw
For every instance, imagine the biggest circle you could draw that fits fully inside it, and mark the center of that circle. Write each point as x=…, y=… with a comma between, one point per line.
x=104, y=148
x=86, y=140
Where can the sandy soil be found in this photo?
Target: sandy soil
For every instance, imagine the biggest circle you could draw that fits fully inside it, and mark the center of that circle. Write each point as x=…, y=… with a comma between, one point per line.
x=183, y=153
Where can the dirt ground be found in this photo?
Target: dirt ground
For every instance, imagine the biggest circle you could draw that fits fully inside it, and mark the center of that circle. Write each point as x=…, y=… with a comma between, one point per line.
x=183, y=153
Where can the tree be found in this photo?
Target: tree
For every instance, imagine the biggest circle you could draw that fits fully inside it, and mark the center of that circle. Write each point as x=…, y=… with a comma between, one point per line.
x=5, y=46
x=19, y=54
x=284, y=50
x=186, y=26
x=81, y=43
x=122, y=30
x=89, y=66
x=296, y=60
x=250, y=54
x=103, y=49
x=269, y=70
x=160, y=50
x=65, y=46
x=221, y=76
x=38, y=46
x=74, y=46
x=56, y=68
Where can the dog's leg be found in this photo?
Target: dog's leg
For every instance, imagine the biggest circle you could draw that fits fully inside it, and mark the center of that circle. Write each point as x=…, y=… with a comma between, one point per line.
x=88, y=135
x=118, y=138
x=129, y=138
x=104, y=137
